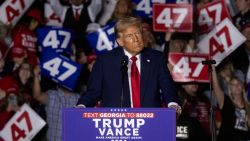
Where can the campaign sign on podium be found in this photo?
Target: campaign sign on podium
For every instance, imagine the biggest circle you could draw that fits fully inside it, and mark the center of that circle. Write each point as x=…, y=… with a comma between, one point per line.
x=130, y=124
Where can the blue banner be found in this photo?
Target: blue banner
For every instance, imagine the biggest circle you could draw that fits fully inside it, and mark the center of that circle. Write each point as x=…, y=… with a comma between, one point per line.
x=103, y=40
x=58, y=39
x=60, y=69
x=131, y=124
x=144, y=7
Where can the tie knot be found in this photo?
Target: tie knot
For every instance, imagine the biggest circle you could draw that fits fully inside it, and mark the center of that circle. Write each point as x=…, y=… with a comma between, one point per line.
x=133, y=58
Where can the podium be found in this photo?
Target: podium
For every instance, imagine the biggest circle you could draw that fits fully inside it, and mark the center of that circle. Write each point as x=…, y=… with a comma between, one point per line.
x=119, y=124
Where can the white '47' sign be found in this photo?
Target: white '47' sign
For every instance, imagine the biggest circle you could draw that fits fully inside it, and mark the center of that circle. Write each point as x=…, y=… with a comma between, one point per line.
x=12, y=10
x=221, y=41
x=23, y=126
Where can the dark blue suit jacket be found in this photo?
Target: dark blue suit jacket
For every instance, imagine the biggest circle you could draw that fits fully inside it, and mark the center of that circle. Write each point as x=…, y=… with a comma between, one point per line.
x=105, y=82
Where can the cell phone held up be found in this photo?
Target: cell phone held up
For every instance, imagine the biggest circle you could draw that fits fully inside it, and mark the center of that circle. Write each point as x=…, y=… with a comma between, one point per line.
x=12, y=100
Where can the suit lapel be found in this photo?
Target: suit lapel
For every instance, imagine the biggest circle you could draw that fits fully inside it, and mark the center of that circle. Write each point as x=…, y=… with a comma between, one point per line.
x=145, y=68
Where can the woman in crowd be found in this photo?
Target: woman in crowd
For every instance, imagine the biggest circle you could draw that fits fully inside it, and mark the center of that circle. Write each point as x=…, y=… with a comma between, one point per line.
x=234, y=110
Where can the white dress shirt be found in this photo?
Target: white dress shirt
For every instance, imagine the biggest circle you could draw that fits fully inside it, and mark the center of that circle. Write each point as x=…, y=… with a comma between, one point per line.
x=138, y=65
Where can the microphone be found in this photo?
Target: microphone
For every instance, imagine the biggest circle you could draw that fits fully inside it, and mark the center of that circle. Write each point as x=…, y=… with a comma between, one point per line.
x=124, y=64
x=208, y=62
x=124, y=70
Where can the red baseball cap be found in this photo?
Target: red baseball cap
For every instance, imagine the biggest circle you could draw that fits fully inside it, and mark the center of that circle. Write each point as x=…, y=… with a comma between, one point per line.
x=8, y=85
x=12, y=90
x=36, y=14
x=18, y=52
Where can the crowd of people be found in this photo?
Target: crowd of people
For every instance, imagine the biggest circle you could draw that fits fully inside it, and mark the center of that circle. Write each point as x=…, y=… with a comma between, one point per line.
x=21, y=81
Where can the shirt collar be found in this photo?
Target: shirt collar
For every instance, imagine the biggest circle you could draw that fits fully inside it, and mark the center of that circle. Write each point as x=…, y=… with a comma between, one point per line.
x=74, y=7
x=129, y=55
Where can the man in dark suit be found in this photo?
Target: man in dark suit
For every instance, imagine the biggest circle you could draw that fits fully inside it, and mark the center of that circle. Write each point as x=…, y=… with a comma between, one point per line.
x=78, y=17
x=147, y=81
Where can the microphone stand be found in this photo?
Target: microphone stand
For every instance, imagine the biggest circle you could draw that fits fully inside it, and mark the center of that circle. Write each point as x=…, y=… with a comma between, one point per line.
x=211, y=117
x=124, y=70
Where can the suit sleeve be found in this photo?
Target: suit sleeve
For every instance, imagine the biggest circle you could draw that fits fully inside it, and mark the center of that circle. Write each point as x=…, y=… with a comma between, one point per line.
x=167, y=85
x=94, y=88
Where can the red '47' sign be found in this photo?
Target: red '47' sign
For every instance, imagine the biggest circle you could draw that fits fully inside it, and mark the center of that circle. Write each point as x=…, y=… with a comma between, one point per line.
x=188, y=67
x=12, y=10
x=221, y=41
x=23, y=126
x=212, y=14
x=177, y=17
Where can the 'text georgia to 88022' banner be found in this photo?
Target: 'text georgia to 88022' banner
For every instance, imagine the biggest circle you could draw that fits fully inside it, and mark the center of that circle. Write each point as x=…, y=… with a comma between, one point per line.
x=106, y=124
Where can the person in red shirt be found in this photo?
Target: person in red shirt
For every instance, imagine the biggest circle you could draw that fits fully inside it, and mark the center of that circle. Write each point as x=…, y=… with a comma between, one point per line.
x=8, y=103
x=17, y=56
x=21, y=80
x=24, y=34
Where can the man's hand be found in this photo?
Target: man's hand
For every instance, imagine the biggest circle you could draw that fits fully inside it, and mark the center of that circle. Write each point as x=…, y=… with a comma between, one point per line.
x=177, y=107
x=80, y=106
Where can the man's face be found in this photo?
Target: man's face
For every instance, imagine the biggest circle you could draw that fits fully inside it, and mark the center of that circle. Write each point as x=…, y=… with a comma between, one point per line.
x=131, y=40
x=77, y=2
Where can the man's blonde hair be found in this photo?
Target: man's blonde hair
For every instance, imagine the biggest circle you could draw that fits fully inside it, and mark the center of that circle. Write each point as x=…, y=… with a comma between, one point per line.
x=125, y=22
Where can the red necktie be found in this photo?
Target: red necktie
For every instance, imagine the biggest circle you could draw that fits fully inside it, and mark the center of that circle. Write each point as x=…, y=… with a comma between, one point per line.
x=135, y=83
x=77, y=14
